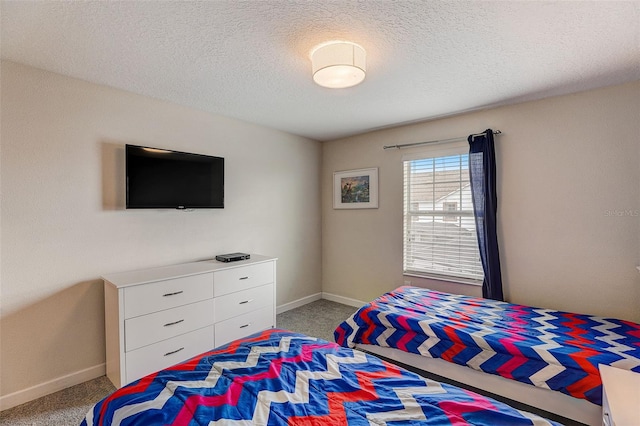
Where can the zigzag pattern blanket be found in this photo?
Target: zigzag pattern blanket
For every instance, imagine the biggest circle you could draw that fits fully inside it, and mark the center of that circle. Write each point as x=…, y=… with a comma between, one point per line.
x=278, y=377
x=543, y=347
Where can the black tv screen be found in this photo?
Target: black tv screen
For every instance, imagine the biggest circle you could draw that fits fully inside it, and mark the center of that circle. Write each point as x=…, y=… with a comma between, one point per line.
x=164, y=179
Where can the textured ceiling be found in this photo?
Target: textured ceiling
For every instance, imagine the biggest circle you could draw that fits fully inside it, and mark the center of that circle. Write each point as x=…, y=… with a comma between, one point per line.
x=250, y=59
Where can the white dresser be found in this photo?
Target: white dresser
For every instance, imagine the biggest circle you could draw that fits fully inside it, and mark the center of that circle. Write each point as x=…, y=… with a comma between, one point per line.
x=155, y=318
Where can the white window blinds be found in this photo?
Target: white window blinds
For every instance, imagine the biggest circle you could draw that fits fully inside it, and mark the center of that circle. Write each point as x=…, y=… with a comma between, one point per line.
x=439, y=225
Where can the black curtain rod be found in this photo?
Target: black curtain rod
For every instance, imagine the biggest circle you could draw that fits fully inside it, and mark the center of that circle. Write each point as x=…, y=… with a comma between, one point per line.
x=407, y=145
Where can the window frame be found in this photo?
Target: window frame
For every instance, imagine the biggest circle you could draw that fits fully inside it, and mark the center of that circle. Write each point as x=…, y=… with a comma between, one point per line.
x=436, y=151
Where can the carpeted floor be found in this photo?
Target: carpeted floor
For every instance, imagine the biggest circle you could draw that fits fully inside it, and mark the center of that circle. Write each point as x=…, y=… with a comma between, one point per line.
x=317, y=319
x=69, y=406
x=66, y=407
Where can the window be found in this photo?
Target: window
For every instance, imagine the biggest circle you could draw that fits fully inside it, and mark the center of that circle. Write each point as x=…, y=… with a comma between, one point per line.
x=439, y=225
x=450, y=206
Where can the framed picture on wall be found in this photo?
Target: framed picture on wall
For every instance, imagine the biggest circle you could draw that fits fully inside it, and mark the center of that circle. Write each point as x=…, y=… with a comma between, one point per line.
x=355, y=189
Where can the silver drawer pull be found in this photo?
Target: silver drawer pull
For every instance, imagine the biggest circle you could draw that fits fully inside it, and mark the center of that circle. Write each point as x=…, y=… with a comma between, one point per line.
x=244, y=278
x=172, y=294
x=173, y=352
x=173, y=323
x=245, y=326
x=245, y=301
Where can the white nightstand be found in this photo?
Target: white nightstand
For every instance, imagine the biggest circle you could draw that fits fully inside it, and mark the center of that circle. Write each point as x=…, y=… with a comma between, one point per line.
x=620, y=396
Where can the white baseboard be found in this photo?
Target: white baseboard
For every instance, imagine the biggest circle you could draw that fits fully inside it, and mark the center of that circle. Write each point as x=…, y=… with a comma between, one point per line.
x=317, y=296
x=344, y=300
x=34, y=392
x=297, y=303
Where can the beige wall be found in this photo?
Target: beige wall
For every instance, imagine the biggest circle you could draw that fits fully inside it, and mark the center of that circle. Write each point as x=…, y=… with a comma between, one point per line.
x=567, y=167
x=62, y=227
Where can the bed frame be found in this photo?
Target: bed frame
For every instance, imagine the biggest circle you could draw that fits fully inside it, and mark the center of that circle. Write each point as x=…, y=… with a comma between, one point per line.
x=568, y=407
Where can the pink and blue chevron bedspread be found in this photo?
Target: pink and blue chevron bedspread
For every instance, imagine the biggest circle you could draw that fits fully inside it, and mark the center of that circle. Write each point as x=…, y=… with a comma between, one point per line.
x=543, y=347
x=278, y=378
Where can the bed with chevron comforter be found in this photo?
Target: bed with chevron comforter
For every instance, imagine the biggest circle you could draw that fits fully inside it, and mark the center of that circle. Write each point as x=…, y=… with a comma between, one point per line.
x=277, y=377
x=543, y=347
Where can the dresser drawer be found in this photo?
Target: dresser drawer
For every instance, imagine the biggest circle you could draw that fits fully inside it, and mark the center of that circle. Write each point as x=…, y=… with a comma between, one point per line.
x=158, y=296
x=164, y=354
x=243, y=325
x=241, y=302
x=242, y=278
x=147, y=329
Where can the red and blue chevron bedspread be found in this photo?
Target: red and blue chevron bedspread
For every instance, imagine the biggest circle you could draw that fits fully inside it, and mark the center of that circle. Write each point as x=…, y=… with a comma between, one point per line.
x=543, y=347
x=278, y=377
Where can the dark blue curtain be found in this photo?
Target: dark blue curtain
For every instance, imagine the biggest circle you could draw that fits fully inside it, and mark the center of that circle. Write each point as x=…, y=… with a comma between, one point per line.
x=482, y=171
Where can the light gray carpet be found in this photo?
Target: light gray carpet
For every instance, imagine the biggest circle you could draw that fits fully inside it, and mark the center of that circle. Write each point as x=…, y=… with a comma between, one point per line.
x=66, y=407
x=317, y=319
x=69, y=406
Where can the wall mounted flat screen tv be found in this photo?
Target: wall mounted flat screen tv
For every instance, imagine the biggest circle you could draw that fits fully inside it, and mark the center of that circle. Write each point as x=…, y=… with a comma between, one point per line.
x=164, y=179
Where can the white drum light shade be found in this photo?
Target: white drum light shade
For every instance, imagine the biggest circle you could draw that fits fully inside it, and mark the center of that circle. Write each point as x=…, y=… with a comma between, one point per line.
x=338, y=64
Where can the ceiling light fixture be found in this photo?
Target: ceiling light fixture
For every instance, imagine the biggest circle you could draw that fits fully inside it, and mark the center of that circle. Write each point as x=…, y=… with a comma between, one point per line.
x=338, y=64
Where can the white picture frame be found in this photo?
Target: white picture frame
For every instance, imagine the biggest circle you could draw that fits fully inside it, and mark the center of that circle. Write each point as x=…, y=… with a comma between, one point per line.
x=355, y=189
